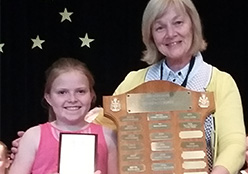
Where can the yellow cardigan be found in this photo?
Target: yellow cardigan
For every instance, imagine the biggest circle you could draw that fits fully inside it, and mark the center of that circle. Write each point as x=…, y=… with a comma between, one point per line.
x=229, y=122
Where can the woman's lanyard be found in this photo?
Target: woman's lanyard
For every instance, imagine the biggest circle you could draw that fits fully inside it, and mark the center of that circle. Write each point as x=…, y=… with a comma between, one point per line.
x=191, y=64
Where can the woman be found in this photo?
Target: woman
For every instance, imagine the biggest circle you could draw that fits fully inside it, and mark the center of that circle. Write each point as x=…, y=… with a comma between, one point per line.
x=172, y=34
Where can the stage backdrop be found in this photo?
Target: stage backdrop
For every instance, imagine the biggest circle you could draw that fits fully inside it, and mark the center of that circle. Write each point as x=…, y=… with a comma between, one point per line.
x=106, y=35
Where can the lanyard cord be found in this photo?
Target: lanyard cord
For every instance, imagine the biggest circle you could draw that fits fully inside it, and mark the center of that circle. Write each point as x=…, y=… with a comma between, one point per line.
x=191, y=64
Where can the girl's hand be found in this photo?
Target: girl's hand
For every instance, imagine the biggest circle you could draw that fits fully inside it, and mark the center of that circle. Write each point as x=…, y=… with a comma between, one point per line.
x=98, y=172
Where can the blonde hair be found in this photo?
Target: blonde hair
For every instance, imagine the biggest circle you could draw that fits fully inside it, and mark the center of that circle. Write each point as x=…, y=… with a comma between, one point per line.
x=5, y=152
x=154, y=9
x=5, y=149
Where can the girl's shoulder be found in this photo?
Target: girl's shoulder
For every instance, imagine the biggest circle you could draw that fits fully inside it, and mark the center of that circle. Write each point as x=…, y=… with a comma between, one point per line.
x=31, y=135
x=35, y=130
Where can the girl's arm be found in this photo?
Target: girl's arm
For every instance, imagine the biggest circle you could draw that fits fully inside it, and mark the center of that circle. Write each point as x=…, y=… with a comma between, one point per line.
x=27, y=148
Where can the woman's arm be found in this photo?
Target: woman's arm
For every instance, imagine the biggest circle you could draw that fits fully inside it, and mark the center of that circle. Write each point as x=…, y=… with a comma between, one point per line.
x=229, y=121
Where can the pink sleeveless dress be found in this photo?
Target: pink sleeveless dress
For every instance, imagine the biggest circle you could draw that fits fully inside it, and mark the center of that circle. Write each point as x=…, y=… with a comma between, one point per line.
x=47, y=155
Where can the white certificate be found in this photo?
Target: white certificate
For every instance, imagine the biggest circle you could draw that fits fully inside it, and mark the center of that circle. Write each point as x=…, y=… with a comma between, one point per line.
x=77, y=153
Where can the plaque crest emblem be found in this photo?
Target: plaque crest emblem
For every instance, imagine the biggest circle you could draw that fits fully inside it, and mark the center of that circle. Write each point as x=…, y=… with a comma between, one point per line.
x=115, y=105
x=203, y=101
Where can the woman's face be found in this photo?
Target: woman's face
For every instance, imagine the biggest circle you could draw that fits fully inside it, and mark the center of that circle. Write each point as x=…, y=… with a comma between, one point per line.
x=172, y=33
x=70, y=96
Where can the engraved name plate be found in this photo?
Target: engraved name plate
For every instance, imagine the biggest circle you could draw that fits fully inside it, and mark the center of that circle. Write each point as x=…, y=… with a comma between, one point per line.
x=159, y=126
x=133, y=157
x=134, y=168
x=189, y=116
x=161, y=156
x=161, y=136
x=190, y=125
x=130, y=118
x=191, y=145
x=162, y=166
x=136, y=137
x=158, y=117
x=161, y=146
x=132, y=146
x=130, y=127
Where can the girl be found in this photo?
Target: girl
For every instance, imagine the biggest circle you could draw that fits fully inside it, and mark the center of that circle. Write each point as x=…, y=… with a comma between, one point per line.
x=69, y=94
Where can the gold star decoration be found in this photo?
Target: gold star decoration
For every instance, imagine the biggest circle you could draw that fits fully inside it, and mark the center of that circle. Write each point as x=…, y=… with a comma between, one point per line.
x=37, y=42
x=66, y=15
x=86, y=41
x=1, y=47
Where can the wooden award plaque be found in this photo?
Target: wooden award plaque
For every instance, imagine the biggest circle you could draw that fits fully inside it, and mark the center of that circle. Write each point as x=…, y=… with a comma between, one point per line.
x=160, y=127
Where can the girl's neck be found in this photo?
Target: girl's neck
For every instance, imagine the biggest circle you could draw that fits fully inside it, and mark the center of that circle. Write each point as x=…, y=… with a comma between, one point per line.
x=58, y=129
x=69, y=127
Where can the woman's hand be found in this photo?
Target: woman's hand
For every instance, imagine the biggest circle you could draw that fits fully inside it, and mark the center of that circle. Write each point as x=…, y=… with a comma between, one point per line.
x=15, y=144
x=219, y=170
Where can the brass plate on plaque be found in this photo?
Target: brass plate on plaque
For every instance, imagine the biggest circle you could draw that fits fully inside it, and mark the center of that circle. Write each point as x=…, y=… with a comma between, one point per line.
x=195, y=173
x=130, y=127
x=191, y=134
x=134, y=168
x=157, y=117
x=161, y=146
x=194, y=164
x=189, y=116
x=158, y=102
x=160, y=136
x=161, y=156
x=132, y=157
x=193, y=154
x=162, y=166
x=160, y=125
x=160, y=128
x=192, y=145
x=128, y=137
x=131, y=147
x=130, y=118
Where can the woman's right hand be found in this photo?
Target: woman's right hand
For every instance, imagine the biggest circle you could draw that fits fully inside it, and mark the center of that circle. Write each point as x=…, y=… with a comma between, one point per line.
x=15, y=144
